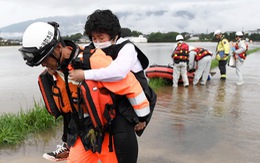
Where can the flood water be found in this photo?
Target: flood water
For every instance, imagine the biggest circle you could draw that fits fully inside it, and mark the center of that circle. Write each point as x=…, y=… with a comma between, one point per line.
x=215, y=123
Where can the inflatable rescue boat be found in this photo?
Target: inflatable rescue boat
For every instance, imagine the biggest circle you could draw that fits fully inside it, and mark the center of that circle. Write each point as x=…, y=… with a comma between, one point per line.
x=165, y=72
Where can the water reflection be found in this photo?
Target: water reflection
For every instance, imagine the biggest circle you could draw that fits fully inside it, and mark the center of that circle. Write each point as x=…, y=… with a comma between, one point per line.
x=235, y=103
x=211, y=123
x=220, y=99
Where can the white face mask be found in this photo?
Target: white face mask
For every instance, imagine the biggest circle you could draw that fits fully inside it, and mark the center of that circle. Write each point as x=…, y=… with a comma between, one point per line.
x=102, y=45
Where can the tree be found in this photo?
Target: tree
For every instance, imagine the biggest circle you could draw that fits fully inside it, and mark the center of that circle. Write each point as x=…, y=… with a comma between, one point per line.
x=162, y=37
x=255, y=37
x=136, y=33
x=125, y=32
x=76, y=37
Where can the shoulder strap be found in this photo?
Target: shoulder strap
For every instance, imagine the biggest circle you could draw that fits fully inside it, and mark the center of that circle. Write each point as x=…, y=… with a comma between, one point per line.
x=94, y=114
x=74, y=110
x=87, y=52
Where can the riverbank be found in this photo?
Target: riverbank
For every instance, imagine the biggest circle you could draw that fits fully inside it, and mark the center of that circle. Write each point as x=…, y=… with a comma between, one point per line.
x=221, y=127
x=16, y=127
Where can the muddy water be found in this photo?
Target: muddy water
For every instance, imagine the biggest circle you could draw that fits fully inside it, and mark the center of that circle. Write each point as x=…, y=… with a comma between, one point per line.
x=215, y=123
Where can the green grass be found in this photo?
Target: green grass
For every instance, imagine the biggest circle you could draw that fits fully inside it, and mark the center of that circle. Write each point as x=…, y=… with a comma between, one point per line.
x=14, y=128
x=252, y=51
x=156, y=83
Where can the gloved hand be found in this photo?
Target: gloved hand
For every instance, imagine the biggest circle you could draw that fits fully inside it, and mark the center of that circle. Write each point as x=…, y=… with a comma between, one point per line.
x=92, y=137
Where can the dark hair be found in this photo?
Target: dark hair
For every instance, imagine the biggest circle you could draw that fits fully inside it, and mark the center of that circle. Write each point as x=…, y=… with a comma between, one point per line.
x=103, y=21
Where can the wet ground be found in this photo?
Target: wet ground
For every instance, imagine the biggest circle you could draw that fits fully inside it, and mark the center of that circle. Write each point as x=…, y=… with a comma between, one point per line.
x=215, y=123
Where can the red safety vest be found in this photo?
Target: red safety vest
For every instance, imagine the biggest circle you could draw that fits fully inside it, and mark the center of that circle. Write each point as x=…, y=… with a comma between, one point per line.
x=243, y=54
x=201, y=52
x=181, y=52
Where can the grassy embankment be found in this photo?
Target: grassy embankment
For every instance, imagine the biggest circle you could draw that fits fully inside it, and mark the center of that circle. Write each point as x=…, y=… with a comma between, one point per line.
x=14, y=128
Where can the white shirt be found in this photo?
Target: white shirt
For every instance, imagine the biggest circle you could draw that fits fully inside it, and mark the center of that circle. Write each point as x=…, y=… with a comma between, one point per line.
x=125, y=62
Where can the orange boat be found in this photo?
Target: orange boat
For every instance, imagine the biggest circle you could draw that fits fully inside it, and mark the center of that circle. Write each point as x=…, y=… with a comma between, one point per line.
x=165, y=72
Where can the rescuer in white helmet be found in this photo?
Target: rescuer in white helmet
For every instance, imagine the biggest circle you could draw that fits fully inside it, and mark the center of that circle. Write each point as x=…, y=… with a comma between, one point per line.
x=180, y=58
x=239, y=54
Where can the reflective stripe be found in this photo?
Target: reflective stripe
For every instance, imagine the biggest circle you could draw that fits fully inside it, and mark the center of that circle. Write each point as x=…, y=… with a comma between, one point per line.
x=140, y=104
x=143, y=112
x=138, y=99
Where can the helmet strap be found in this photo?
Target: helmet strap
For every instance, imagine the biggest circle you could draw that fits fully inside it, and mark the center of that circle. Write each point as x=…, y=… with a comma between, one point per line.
x=57, y=59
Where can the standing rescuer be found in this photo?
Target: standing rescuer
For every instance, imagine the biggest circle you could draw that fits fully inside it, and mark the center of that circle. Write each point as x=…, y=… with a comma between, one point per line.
x=222, y=52
x=240, y=56
x=43, y=45
x=180, y=56
x=104, y=30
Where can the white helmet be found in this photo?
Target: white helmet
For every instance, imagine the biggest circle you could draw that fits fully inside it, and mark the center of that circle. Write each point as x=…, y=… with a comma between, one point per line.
x=179, y=37
x=239, y=33
x=39, y=41
x=217, y=32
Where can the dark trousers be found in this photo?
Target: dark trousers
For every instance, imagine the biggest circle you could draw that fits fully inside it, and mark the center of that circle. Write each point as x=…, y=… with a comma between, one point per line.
x=66, y=121
x=125, y=140
x=222, y=66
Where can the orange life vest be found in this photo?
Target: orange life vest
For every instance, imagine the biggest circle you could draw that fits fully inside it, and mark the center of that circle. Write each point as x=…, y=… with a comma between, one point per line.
x=200, y=53
x=181, y=52
x=99, y=104
x=128, y=86
x=45, y=82
x=97, y=99
x=55, y=96
x=243, y=54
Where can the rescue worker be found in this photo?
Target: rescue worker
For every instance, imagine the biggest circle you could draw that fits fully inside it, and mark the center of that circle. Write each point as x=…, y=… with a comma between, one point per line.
x=222, y=52
x=239, y=54
x=200, y=62
x=62, y=64
x=104, y=30
x=180, y=56
x=42, y=44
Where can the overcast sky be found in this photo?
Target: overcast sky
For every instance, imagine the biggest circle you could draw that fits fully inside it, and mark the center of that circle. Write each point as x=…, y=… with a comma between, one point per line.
x=197, y=16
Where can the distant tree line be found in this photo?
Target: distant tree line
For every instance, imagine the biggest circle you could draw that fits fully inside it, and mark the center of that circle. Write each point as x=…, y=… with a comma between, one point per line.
x=153, y=37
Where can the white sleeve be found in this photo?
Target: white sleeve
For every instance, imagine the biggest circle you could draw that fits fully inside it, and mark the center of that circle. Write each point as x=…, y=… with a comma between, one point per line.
x=118, y=69
x=241, y=47
x=192, y=59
